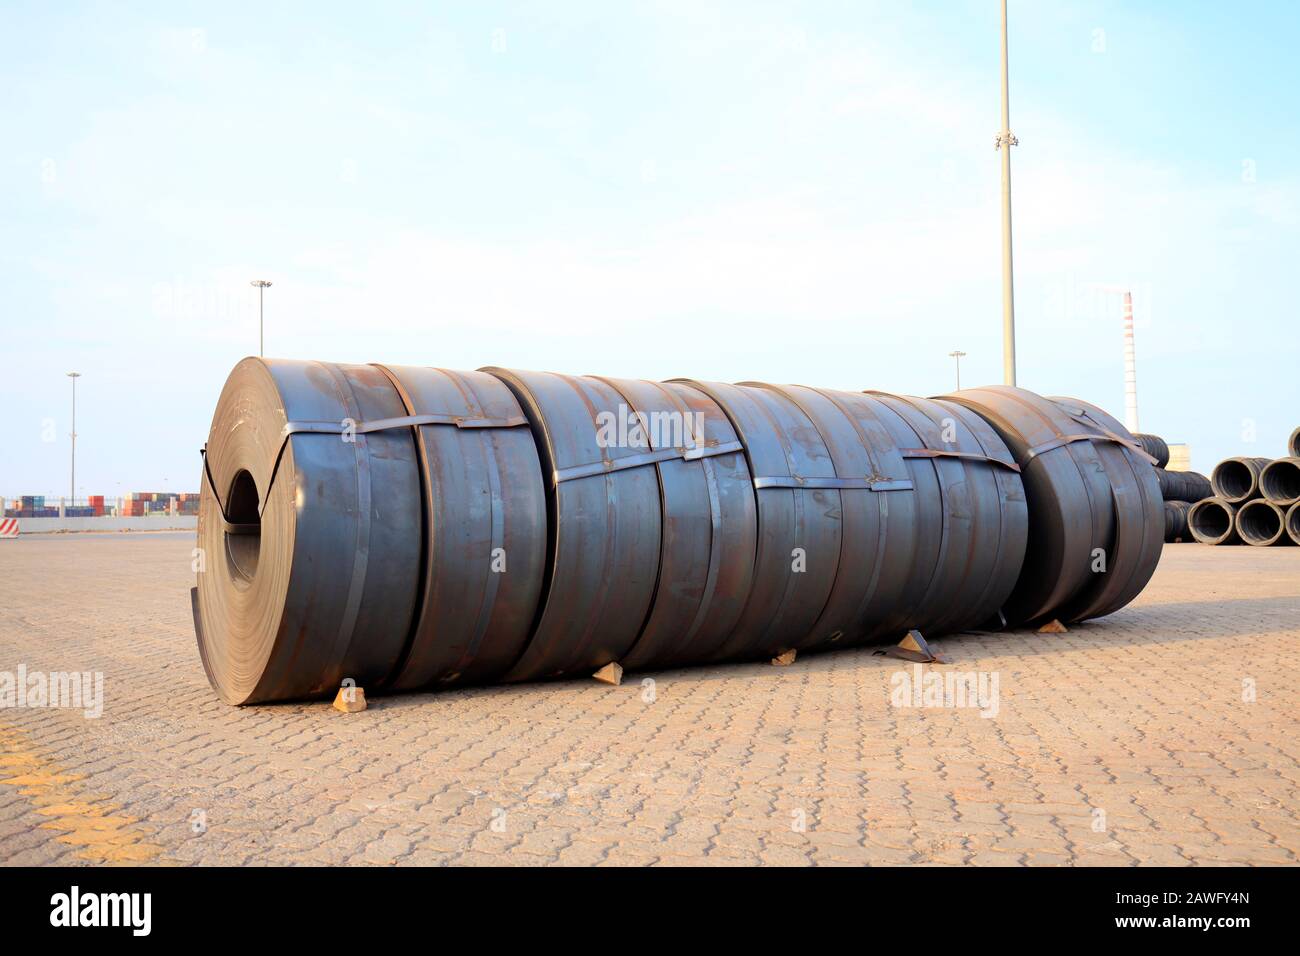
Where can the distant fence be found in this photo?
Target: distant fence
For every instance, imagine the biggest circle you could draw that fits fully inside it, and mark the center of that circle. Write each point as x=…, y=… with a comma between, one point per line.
x=159, y=521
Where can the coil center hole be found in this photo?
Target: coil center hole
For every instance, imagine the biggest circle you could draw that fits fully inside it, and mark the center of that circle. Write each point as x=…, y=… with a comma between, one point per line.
x=1236, y=478
x=243, y=547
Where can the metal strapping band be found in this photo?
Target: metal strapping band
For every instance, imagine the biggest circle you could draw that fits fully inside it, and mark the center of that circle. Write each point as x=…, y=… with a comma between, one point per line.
x=340, y=428
x=1106, y=435
x=406, y=421
x=865, y=484
x=965, y=455
x=610, y=465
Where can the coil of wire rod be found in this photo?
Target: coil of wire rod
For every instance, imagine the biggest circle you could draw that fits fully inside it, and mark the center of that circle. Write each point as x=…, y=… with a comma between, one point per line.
x=1183, y=485
x=1236, y=480
x=1279, y=481
x=1176, y=521
x=1213, y=521
x=1155, y=446
x=1262, y=523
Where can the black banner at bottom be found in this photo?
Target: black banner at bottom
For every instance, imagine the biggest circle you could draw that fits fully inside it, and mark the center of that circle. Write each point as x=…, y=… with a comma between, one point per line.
x=366, y=907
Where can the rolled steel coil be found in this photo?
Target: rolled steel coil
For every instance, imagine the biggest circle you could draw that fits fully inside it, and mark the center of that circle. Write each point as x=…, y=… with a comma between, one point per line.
x=1095, y=514
x=605, y=526
x=799, y=521
x=1176, y=521
x=972, y=527
x=1236, y=480
x=310, y=558
x=1262, y=523
x=413, y=528
x=1212, y=521
x=483, y=524
x=1293, y=522
x=1279, y=481
x=708, y=516
x=1183, y=485
x=1155, y=446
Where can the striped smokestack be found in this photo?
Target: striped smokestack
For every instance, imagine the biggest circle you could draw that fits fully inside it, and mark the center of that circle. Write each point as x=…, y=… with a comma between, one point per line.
x=1130, y=368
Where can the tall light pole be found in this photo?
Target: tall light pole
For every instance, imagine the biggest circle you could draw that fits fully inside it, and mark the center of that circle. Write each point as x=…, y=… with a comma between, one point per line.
x=262, y=286
x=1005, y=141
x=74, y=376
x=958, y=355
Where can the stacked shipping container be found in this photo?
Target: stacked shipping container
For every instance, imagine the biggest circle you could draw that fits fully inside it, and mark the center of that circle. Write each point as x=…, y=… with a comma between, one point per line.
x=135, y=504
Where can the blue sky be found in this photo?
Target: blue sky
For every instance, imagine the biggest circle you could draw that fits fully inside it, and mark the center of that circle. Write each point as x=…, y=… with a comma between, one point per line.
x=785, y=192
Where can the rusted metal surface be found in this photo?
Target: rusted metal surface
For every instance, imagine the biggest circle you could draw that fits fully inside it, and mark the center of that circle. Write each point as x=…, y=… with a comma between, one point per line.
x=604, y=527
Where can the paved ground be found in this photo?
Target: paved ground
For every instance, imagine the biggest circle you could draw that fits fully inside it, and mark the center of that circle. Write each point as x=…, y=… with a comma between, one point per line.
x=1165, y=734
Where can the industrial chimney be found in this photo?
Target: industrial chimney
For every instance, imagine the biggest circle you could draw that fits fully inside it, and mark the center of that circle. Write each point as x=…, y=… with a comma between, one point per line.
x=1130, y=368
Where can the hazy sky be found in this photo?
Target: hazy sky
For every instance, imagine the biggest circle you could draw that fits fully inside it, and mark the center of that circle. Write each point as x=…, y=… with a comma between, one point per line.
x=786, y=192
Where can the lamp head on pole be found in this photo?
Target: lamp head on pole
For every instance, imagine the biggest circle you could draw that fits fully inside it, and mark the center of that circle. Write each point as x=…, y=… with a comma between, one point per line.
x=260, y=283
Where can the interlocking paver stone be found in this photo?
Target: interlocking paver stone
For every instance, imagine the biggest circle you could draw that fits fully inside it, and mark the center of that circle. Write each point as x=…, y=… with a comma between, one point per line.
x=1164, y=734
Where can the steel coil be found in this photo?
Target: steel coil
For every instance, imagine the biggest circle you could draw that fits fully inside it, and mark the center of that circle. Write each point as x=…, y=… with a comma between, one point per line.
x=1279, y=481
x=1293, y=444
x=709, y=521
x=1183, y=485
x=1293, y=522
x=309, y=541
x=1095, y=515
x=800, y=523
x=1155, y=446
x=972, y=524
x=1176, y=521
x=1236, y=480
x=1212, y=521
x=1262, y=523
x=604, y=527
x=410, y=528
x=484, y=528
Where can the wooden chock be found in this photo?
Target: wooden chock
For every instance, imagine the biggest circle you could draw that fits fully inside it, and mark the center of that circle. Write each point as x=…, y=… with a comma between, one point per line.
x=1053, y=627
x=611, y=673
x=914, y=647
x=350, y=699
x=785, y=658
